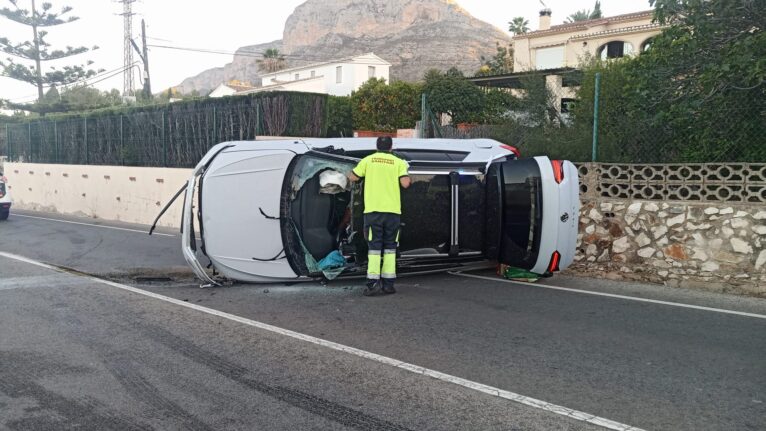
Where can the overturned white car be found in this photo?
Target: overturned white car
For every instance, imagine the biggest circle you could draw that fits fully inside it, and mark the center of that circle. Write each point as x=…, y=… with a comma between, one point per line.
x=267, y=210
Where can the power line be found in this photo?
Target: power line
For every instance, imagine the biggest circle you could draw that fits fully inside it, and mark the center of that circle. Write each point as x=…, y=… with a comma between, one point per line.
x=259, y=54
x=84, y=82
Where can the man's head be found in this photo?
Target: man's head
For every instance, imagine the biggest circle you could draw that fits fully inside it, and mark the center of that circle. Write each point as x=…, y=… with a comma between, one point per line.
x=385, y=143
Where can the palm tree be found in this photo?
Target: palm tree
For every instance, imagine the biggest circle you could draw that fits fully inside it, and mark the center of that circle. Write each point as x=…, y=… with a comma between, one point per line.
x=586, y=14
x=519, y=25
x=272, y=61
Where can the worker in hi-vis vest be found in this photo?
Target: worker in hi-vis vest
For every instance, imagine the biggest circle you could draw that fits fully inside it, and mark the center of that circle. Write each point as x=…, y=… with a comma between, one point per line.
x=384, y=174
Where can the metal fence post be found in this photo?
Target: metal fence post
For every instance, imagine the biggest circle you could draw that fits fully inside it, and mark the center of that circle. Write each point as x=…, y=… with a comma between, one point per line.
x=164, y=142
x=422, y=115
x=56, y=140
x=29, y=135
x=214, y=130
x=595, y=116
x=41, y=143
x=8, y=142
x=122, y=142
x=86, y=138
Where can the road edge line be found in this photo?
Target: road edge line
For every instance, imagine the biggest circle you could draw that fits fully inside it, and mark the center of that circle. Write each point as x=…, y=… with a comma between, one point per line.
x=92, y=225
x=614, y=295
x=438, y=375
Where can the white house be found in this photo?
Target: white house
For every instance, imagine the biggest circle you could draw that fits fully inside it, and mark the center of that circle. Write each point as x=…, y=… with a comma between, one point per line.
x=230, y=88
x=338, y=77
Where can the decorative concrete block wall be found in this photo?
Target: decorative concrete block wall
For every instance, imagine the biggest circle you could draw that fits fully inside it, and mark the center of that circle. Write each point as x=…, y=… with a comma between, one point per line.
x=701, y=226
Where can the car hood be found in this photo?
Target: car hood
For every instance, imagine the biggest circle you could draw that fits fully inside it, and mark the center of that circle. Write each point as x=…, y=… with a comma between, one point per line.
x=238, y=197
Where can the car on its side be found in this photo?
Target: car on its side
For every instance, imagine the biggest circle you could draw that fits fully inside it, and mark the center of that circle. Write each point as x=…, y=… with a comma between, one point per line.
x=260, y=208
x=5, y=198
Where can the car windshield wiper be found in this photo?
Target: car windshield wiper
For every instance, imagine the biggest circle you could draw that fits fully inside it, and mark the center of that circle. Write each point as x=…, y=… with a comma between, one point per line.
x=167, y=206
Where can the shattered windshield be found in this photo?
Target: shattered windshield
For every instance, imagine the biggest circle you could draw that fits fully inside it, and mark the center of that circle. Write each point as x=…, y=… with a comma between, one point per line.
x=309, y=166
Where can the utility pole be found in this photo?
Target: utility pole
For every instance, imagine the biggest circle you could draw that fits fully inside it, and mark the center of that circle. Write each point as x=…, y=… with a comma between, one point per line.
x=144, y=54
x=127, y=19
x=145, y=58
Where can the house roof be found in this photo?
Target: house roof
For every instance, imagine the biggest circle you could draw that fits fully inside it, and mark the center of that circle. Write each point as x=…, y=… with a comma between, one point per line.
x=342, y=60
x=571, y=76
x=236, y=87
x=585, y=25
x=277, y=85
x=239, y=88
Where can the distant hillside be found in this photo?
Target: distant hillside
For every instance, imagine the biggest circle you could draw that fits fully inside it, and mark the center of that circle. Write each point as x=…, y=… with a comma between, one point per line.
x=413, y=35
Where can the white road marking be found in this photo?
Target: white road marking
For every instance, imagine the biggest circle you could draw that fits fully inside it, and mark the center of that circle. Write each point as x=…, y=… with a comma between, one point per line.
x=479, y=387
x=91, y=224
x=612, y=295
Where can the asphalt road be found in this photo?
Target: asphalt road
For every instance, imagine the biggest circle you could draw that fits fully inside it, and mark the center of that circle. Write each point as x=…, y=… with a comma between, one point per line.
x=116, y=358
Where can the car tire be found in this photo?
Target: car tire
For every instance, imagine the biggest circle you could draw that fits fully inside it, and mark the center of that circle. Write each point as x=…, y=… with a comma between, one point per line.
x=4, y=215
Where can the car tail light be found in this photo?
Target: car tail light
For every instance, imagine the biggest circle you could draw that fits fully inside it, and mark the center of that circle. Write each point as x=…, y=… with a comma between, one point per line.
x=514, y=150
x=558, y=170
x=555, y=259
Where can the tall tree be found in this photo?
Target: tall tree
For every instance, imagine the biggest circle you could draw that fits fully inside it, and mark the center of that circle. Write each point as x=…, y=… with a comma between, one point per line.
x=586, y=14
x=698, y=95
x=38, y=50
x=501, y=62
x=272, y=61
x=452, y=94
x=519, y=25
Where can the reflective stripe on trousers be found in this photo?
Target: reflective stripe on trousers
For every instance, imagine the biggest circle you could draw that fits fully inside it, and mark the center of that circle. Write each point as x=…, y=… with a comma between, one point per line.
x=373, y=265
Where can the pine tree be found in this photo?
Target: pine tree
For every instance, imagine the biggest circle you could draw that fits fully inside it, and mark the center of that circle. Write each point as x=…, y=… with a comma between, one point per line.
x=39, y=51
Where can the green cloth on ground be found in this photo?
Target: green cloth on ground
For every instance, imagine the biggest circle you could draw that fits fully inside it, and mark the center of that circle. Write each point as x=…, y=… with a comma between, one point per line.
x=520, y=274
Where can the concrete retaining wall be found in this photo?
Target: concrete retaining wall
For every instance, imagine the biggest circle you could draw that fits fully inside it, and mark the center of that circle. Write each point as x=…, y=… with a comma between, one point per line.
x=129, y=194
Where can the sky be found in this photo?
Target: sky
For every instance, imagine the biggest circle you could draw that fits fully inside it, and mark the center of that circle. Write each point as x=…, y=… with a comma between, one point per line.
x=222, y=25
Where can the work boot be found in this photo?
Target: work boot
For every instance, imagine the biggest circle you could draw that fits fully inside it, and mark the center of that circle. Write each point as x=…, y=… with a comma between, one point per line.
x=388, y=286
x=372, y=288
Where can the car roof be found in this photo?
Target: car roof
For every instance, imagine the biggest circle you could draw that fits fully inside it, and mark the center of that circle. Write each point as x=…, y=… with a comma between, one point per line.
x=478, y=150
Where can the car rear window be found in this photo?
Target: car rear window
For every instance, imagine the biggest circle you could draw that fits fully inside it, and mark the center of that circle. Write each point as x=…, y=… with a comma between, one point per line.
x=2, y=189
x=522, y=213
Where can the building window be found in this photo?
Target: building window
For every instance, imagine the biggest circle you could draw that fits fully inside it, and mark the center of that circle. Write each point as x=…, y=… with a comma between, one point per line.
x=313, y=73
x=370, y=71
x=647, y=44
x=615, y=49
x=549, y=58
x=297, y=76
x=339, y=74
x=567, y=105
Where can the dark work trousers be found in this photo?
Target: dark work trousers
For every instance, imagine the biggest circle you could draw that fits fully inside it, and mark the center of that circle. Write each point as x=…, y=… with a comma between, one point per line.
x=382, y=233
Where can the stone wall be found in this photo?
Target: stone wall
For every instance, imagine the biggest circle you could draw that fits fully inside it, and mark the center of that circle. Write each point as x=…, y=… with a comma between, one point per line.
x=710, y=235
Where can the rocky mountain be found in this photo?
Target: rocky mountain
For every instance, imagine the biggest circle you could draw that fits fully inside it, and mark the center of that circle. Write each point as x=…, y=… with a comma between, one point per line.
x=413, y=35
x=242, y=68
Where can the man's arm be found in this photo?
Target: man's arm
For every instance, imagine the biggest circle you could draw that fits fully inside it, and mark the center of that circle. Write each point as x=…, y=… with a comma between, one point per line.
x=404, y=174
x=359, y=171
